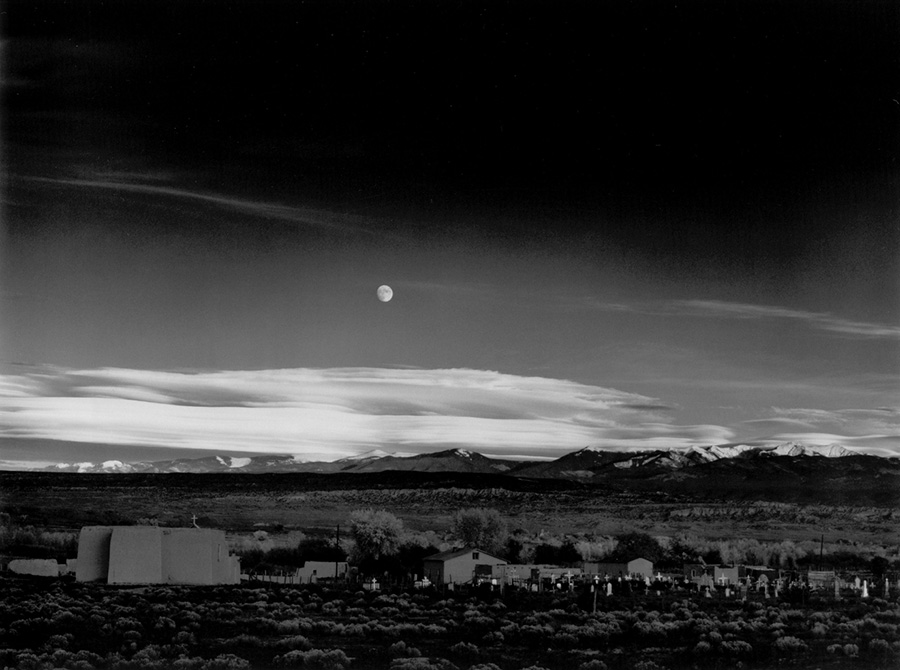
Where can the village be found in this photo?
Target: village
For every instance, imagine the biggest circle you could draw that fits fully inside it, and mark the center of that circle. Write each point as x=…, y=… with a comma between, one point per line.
x=193, y=556
x=153, y=597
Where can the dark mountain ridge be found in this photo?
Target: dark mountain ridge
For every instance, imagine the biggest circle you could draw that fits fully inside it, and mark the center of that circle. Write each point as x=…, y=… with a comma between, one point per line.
x=582, y=465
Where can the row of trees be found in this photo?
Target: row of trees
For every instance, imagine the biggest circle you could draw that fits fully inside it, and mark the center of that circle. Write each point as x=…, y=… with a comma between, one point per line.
x=381, y=543
x=378, y=539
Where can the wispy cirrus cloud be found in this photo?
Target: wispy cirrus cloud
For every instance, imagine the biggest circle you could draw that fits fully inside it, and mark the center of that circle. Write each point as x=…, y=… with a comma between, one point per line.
x=875, y=430
x=336, y=412
x=318, y=218
x=860, y=420
x=737, y=310
x=819, y=320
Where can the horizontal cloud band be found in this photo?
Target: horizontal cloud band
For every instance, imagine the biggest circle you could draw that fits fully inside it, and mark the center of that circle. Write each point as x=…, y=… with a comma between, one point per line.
x=338, y=412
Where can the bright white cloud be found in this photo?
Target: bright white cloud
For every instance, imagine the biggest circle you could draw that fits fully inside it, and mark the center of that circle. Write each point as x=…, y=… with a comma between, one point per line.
x=332, y=413
x=322, y=414
x=874, y=431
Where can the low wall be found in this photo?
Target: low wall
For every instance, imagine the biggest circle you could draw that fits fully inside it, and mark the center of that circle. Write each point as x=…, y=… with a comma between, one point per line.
x=36, y=567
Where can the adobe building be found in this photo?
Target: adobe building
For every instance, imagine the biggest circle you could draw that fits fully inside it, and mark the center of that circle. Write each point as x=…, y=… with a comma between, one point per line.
x=728, y=575
x=637, y=567
x=152, y=555
x=459, y=566
x=92, y=563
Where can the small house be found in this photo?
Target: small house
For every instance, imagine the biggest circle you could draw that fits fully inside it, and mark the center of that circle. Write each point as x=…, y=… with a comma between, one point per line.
x=459, y=565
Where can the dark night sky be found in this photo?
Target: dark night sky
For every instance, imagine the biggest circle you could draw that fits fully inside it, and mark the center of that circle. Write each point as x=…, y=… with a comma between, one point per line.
x=685, y=211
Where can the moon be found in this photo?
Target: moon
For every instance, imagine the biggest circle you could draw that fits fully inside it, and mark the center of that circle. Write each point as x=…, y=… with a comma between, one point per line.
x=385, y=293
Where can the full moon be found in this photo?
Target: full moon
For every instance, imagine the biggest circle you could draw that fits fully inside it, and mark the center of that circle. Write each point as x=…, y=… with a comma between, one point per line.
x=385, y=293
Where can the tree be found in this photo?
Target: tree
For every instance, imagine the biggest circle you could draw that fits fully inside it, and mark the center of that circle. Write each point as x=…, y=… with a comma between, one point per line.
x=637, y=545
x=546, y=554
x=681, y=550
x=412, y=556
x=551, y=554
x=320, y=549
x=879, y=567
x=713, y=556
x=479, y=527
x=376, y=533
x=512, y=551
x=568, y=554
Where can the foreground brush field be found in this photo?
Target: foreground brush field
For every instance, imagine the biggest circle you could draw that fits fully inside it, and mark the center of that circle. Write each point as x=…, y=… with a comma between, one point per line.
x=63, y=624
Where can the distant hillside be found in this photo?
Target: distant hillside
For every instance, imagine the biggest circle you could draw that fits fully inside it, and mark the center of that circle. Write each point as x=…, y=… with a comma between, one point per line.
x=592, y=462
x=584, y=465
x=451, y=460
x=766, y=496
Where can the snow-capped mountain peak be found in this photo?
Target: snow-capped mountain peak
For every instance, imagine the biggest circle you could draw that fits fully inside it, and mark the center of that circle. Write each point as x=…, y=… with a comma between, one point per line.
x=800, y=449
x=375, y=454
x=585, y=462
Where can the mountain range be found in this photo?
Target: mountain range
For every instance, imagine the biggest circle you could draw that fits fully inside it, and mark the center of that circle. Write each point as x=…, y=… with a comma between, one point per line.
x=584, y=465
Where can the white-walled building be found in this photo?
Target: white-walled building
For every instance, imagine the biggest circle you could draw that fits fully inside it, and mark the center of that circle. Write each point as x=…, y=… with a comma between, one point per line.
x=637, y=567
x=152, y=555
x=460, y=565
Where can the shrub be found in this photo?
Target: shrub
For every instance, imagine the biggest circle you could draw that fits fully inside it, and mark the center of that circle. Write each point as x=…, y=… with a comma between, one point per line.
x=647, y=665
x=702, y=648
x=879, y=647
x=851, y=650
x=295, y=642
x=464, y=649
x=244, y=640
x=60, y=641
x=593, y=664
x=400, y=650
x=227, y=662
x=736, y=648
x=421, y=664
x=789, y=645
x=314, y=659
x=493, y=638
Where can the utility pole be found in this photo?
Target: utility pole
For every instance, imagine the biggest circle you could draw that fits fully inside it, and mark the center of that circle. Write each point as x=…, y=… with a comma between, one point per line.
x=821, y=550
x=337, y=545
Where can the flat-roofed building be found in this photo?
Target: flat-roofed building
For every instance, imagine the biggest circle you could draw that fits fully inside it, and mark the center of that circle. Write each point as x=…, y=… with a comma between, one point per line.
x=152, y=555
x=636, y=567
